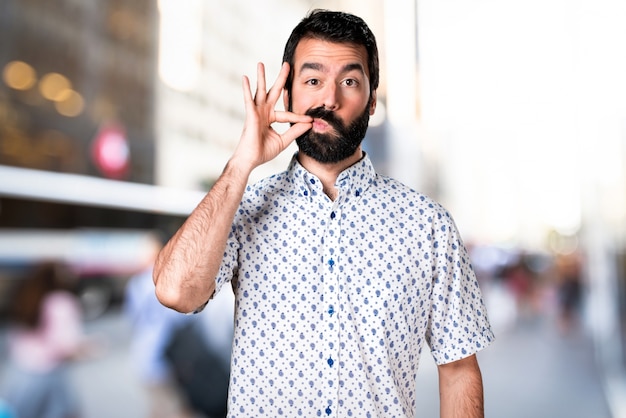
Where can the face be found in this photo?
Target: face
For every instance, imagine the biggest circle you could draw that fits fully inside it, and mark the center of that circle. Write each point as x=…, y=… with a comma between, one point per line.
x=331, y=84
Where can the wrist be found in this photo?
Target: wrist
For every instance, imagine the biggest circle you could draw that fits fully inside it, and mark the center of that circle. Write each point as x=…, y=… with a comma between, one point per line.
x=239, y=167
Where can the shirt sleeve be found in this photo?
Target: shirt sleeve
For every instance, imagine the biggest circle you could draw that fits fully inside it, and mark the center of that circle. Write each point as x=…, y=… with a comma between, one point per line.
x=458, y=326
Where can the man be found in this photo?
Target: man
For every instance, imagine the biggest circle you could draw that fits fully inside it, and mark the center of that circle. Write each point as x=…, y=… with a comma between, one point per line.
x=340, y=275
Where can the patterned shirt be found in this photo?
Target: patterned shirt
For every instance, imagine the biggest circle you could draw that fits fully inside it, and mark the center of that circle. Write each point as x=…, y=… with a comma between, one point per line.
x=335, y=299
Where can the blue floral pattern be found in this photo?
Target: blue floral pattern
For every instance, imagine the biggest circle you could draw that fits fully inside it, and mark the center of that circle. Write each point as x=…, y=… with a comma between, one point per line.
x=336, y=299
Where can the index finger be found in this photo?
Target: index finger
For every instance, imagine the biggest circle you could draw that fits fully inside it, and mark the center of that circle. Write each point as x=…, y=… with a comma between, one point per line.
x=260, y=83
x=279, y=84
x=290, y=117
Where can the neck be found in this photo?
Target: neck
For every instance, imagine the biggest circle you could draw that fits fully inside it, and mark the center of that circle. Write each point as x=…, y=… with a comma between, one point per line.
x=328, y=172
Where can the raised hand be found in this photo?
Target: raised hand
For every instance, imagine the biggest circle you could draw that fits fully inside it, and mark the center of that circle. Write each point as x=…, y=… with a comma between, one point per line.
x=259, y=142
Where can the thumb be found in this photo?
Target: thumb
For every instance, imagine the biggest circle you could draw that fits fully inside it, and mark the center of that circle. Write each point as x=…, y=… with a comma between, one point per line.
x=295, y=131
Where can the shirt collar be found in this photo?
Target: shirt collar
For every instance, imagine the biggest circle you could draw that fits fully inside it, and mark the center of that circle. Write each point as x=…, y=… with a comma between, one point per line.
x=351, y=182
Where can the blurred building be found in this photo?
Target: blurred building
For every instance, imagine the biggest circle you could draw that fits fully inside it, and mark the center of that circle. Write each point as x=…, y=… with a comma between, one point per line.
x=77, y=112
x=524, y=105
x=77, y=95
x=72, y=70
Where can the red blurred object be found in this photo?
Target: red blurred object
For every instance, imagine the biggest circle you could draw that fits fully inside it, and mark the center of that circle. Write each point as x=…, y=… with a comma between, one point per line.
x=110, y=151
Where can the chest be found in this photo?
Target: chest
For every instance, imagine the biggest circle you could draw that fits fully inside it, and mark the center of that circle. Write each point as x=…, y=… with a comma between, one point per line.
x=377, y=256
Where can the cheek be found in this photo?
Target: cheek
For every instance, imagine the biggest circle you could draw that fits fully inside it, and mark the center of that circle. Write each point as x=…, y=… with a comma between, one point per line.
x=355, y=110
x=302, y=100
x=300, y=107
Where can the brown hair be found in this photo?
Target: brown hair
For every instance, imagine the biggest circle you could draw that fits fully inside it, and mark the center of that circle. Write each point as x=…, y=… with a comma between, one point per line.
x=333, y=26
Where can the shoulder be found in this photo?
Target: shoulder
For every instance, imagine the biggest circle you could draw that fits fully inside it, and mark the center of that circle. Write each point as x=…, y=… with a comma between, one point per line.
x=395, y=191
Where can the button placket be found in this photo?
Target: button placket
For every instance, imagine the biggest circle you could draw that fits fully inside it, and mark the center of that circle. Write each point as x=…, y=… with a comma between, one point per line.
x=331, y=270
x=331, y=267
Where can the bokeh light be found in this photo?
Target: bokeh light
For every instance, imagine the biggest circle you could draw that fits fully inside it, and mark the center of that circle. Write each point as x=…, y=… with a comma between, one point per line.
x=19, y=75
x=69, y=103
x=54, y=86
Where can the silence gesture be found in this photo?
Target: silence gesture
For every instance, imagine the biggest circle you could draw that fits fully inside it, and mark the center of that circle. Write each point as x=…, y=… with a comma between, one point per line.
x=259, y=142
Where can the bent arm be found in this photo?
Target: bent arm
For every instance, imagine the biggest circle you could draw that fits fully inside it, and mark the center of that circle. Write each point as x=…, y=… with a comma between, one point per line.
x=185, y=269
x=461, y=389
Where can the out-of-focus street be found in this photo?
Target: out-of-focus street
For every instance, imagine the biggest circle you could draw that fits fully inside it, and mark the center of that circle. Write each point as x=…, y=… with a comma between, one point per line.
x=531, y=371
x=117, y=117
x=107, y=382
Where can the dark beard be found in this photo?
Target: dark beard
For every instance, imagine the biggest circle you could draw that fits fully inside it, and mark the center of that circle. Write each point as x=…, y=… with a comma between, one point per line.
x=337, y=146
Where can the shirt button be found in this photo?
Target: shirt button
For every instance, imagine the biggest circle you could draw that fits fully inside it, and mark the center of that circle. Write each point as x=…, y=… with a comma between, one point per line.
x=331, y=362
x=331, y=262
x=331, y=311
x=328, y=411
x=312, y=181
x=357, y=193
x=332, y=215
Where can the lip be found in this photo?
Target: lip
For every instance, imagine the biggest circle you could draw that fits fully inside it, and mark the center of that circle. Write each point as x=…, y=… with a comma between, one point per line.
x=320, y=125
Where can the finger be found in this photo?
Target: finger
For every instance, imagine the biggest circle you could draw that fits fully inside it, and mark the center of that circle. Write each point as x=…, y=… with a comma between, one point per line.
x=259, y=96
x=295, y=131
x=279, y=84
x=292, y=117
x=247, y=93
x=245, y=84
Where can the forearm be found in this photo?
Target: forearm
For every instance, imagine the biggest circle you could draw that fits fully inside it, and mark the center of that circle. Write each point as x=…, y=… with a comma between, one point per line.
x=185, y=269
x=461, y=389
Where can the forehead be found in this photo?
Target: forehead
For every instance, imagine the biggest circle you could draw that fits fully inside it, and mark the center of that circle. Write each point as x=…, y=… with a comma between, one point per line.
x=329, y=54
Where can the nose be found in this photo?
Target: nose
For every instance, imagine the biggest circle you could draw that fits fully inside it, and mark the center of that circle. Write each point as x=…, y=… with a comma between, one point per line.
x=330, y=99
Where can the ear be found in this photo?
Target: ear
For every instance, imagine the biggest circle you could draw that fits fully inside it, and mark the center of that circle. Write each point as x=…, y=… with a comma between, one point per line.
x=373, y=103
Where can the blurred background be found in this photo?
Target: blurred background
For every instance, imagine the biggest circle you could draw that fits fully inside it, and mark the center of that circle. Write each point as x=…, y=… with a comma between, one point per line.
x=116, y=116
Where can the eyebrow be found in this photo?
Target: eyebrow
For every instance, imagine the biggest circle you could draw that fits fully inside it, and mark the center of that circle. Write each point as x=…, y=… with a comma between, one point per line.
x=320, y=67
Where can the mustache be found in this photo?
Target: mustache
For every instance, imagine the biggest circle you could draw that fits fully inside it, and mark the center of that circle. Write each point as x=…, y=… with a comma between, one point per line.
x=326, y=115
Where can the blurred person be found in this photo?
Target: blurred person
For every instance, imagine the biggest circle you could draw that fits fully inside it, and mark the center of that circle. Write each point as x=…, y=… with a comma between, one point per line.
x=152, y=328
x=340, y=274
x=521, y=283
x=45, y=335
x=166, y=350
x=569, y=290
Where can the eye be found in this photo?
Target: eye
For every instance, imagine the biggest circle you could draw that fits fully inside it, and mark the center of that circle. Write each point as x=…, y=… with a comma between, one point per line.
x=312, y=82
x=351, y=82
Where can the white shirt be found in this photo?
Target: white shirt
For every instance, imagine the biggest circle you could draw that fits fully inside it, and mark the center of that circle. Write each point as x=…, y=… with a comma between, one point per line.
x=335, y=299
